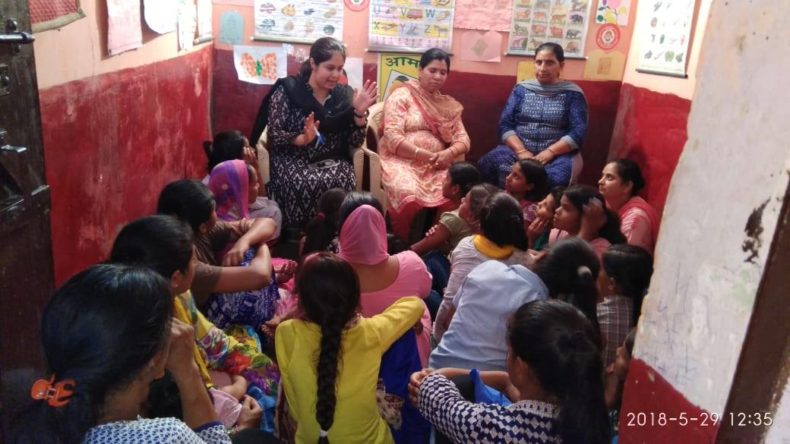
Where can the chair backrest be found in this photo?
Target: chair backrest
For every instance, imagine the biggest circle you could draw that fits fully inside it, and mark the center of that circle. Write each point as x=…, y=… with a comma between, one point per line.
x=263, y=157
x=376, y=124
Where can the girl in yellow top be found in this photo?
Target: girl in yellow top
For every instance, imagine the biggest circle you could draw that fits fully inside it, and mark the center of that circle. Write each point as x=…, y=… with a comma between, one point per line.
x=329, y=361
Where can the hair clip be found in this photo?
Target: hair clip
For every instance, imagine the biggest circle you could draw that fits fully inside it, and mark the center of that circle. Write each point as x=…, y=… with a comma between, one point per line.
x=583, y=270
x=56, y=394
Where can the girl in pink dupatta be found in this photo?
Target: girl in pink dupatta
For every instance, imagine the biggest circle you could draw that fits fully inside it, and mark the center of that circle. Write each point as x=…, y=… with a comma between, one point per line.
x=423, y=134
x=621, y=181
x=383, y=278
x=230, y=183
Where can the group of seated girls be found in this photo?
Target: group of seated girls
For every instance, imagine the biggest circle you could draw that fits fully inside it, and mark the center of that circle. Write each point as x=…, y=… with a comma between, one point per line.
x=510, y=320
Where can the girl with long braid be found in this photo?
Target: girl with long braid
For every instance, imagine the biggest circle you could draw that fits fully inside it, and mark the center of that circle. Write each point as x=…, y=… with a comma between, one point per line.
x=330, y=359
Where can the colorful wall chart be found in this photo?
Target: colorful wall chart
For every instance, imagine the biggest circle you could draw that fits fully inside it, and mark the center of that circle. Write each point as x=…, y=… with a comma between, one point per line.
x=301, y=22
x=260, y=64
x=538, y=21
x=664, y=37
x=410, y=25
x=395, y=70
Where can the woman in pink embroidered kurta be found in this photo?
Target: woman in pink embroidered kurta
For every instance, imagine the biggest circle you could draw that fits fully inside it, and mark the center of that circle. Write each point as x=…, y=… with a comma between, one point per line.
x=423, y=133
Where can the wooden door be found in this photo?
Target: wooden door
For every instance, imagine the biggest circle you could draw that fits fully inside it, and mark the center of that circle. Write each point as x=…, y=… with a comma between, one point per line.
x=26, y=274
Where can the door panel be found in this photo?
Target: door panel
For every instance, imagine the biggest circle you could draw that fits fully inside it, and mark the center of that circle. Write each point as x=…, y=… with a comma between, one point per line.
x=26, y=276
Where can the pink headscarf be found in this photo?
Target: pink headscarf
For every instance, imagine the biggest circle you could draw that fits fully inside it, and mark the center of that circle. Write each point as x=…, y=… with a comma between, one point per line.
x=230, y=183
x=363, y=237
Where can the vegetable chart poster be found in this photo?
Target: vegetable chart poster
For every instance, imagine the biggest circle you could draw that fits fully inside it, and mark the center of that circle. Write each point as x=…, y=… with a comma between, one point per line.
x=664, y=37
x=298, y=21
x=538, y=21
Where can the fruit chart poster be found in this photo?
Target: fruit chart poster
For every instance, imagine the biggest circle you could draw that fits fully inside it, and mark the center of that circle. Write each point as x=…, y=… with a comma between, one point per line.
x=302, y=21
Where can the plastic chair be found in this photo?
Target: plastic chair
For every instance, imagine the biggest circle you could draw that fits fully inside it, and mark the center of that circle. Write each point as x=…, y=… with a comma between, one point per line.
x=376, y=127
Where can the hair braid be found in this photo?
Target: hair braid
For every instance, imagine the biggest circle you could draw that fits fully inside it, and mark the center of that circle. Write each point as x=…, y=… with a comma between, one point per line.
x=328, y=362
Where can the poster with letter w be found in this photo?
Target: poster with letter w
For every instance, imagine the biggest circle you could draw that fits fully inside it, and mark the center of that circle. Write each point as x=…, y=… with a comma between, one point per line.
x=410, y=25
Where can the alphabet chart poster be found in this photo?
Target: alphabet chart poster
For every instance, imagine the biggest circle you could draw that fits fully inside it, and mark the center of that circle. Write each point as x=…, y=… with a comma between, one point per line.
x=538, y=21
x=410, y=25
x=301, y=22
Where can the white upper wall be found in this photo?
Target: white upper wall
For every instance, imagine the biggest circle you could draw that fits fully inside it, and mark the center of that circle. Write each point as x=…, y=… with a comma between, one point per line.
x=74, y=51
x=734, y=167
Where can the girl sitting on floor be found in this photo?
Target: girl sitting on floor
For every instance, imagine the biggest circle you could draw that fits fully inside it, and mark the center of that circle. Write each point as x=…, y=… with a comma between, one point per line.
x=529, y=184
x=193, y=203
x=107, y=333
x=330, y=359
x=321, y=232
x=582, y=214
x=164, y=244
x=232, y=145
x=554, y=378
x=234, y=185
x=538, y=231
x=622, y=285
x=502, y=238
x=493, y=291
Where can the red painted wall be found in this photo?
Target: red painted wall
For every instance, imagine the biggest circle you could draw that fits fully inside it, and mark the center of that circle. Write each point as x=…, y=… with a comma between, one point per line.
x=235, y=105
x=112, y=142
x=651, y=130
x=654, y=412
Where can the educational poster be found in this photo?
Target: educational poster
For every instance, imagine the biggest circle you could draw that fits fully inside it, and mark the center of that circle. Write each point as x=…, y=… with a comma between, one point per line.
x=664, y=37
x=410, y=25
x=161, y=15
x=302, y=22
x=203, y=21
x=261, y=65
x=123, y=26
x=538, y=21
x=483, y=15
x=395, y=70
x=614, y=12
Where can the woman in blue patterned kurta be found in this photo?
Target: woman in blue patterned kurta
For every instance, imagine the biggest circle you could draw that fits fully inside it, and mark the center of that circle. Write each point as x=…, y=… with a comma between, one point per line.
x=545, y=119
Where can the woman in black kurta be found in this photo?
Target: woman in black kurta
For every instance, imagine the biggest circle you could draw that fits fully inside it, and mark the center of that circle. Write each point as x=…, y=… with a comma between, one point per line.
x=312, y=123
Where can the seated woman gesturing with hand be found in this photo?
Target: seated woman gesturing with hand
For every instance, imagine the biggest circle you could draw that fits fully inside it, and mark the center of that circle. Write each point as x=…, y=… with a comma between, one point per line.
x=313, y=122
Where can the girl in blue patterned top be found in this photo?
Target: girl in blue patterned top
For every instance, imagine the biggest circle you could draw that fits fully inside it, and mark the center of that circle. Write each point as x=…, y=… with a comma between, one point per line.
x=544, y=119
x=554, y=374
x=107, y=334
